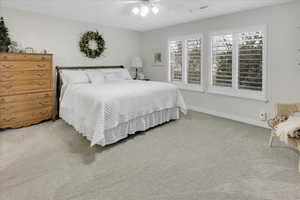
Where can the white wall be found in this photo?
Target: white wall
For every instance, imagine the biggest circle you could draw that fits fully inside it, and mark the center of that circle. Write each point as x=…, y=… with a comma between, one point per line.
x=61, y=37
x=283, y=72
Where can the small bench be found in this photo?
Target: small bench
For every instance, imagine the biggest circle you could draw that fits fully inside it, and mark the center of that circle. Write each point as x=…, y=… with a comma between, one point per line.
x=283, y=111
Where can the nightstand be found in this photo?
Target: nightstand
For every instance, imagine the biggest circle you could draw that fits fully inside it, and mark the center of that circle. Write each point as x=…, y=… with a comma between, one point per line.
x=146, y=79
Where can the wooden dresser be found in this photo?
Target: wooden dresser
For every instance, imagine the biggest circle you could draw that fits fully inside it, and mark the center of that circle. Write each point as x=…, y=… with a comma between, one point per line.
x=26, y=89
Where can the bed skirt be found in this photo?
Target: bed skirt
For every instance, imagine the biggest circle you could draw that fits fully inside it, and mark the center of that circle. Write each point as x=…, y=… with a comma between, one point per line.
x=135, y=125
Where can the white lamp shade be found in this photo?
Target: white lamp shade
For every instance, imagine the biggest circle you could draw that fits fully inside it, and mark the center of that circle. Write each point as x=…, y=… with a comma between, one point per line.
x=137, y=62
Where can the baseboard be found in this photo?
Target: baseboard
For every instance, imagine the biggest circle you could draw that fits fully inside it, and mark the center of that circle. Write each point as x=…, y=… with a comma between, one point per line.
x=229, y=116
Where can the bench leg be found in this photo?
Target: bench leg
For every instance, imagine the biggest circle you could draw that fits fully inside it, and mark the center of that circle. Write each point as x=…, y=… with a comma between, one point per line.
x=271, y=138
x=299, y=157
x=299, y=165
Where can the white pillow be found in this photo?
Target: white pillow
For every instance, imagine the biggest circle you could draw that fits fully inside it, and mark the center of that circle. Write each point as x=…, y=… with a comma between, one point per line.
x=114, y=76
x=74, y=76
x=95, y=76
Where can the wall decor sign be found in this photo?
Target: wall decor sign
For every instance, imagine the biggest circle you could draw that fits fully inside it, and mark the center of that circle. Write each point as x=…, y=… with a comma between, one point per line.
x=157, y=57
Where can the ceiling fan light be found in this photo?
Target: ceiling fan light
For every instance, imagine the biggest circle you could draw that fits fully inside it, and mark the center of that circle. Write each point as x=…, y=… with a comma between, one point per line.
x=144, y=11
x=155, y=10
x=135, y=10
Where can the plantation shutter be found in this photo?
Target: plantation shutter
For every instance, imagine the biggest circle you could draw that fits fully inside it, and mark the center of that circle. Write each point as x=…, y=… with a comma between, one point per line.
x=222, y=60
x=251, y=60
x=194, y=61
x=176, y=58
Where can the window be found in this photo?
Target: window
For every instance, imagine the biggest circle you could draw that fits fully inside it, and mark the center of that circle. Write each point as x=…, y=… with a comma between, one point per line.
x=238, y=63
x=185, y=62
x=176, y=58
x=250, y=60
x=222, y=61
x=194, y=61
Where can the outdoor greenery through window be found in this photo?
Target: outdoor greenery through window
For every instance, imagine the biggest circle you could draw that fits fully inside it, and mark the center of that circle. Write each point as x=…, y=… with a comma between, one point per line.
x=222, y=60
x=176, y=58
x=251, y=60
x=238, y=61
x=185, y=60
x=194, y=61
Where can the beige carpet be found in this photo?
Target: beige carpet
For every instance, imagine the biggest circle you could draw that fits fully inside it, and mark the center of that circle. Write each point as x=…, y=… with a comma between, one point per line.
x=197, y=157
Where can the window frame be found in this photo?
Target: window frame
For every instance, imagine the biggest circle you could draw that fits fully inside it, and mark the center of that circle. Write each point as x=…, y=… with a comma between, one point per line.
x=235, y=90
x=184, y=83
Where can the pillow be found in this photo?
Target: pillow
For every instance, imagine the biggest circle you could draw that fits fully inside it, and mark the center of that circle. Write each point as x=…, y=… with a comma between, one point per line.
x=74, y=76
x=95, y=76
x=114, y=76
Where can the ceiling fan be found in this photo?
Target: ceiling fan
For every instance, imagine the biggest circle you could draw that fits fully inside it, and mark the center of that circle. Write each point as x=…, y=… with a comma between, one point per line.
x=138, y=1
x=143, y=7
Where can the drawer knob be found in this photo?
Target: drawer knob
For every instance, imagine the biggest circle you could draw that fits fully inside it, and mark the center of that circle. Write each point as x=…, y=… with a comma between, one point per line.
x=7, y=86
x=41, y=66
x=9, y=120
x=7, y=108
x=2, y=100
x=4, y=57
x=7, y=66
x=43, y=112
x=7, y=76
x=40, y=74
x=43, y=103
x=39, y=83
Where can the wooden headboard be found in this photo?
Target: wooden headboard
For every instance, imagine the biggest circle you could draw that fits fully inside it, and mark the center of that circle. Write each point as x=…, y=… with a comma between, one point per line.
x=59, y=82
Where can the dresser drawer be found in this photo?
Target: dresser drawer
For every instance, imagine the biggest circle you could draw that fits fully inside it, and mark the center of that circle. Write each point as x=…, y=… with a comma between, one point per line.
x=26, y=97
x=24, y=66
x=11, y=120
x=25, y=105
x=25, y=75
x=24, y=57
x=13, y=87
x=21, y=123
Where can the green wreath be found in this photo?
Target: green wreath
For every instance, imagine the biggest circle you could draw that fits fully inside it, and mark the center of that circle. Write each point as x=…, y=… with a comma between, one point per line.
x=84, y=44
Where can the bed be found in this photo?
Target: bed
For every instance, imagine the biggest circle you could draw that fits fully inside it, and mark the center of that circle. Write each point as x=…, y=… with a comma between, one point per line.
x=105, y=105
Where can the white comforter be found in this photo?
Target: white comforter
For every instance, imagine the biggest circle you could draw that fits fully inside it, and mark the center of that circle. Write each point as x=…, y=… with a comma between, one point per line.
x=93, y=108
